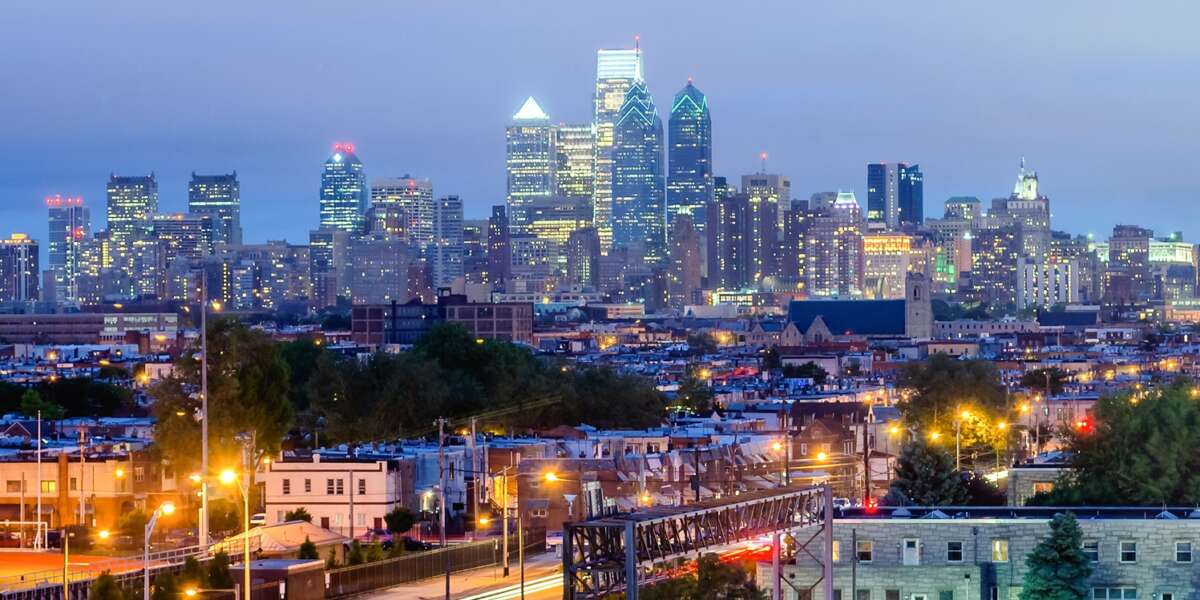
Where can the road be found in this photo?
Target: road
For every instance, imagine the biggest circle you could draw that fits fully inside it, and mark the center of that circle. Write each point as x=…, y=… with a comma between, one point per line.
x=543, y=581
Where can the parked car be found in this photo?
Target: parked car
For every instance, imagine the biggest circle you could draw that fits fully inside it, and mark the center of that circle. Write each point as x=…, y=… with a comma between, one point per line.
x=258, y=519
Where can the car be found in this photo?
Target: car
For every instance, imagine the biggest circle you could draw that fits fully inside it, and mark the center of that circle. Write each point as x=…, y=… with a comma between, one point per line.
x=258, y=519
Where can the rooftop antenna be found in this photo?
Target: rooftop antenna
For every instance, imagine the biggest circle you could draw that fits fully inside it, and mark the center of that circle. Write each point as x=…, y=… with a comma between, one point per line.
x=763, y=156
x=637, y=42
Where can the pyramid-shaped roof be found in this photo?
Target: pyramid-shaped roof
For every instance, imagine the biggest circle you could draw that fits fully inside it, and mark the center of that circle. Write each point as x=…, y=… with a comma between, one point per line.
x=531, y=111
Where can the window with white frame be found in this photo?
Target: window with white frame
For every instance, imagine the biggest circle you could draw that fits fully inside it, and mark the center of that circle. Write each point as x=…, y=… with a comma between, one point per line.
x=1183, y=552
x=1128, y=551
x=954, y=551
x=1114, y=593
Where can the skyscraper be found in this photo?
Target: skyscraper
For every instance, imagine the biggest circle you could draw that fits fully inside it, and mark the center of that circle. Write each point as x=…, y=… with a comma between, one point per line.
x=766, y=193
x=683, y=274
x=689, y=159
x=219, y=196
x=834, y=249
x=530, y=161
x=328, y=265
x=343, y=190
x=616, y=72
x=446, y=253
x=414, y=197
x=910, y=191
x=499, y=247
x=729, y=242
x=575, y=173
x=70, y=229
x=583, y=257
x=19, y=270
x=895, y=194
x=131, y=201
x=1028, y=210
x=638, y=201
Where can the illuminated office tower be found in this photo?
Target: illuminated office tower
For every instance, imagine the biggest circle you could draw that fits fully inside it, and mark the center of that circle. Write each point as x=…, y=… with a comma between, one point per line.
x=70, y=228
x=638, y=199
x=343, y=190
x=616, y=72
x=413, y=196
x=689, y=157
x=575, y=173
x=583, y=257
x=219, y=196
x=187, y=236
x=834, y=249
x=499, y=247
x=895, y=194
x=446, y=253
x=729, y=242
x=683, y=271
x=911, y=194
x=328, y=265
x=131, y=201
x=767, y=193
x=19, y=270
x=530, y=161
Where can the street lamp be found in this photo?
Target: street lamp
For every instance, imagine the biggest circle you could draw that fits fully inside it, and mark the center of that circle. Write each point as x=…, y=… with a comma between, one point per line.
x=964, y=415
x=230, y=477
x=164, y=509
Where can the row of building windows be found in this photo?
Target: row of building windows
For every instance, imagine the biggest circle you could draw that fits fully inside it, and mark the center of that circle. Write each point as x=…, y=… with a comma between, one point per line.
x=1127, y=551
x=333, y=487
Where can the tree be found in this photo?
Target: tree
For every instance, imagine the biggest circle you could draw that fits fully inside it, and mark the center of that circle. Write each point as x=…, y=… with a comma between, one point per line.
x=1037, y=379
x=165, y=587
x=925, y=476
x=248, y=392
x=298, y=514
x=133, y=523
x=374, y=552
x=938, y=390
x=224, y=514
x=700, y=344
x=308, y=550
x=105, y=588
x=808, y=370
x=1057, y=568
x=193, y=574
x=694, y=395
x=771, y=359
x=355, y=557
x=1136, y=448
x=218, y=572
x=331, y=559
x=399, y=520
x=32, y=405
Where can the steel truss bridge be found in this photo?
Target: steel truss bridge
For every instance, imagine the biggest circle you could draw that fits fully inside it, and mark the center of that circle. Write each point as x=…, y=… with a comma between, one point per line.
x=609, y=554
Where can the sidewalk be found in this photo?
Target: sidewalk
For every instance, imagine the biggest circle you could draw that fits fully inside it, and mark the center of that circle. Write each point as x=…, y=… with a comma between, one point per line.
x=475, y=581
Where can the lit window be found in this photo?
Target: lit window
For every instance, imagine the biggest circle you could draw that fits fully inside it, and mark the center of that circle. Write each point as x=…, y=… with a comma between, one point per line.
x=999, y=551
x=864, y=550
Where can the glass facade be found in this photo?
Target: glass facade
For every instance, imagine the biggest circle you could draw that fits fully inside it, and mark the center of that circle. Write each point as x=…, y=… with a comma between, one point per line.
x=530, y=161
x=616, y=72
x=221, y=197
x=343, y=190
x=70, y=228
x=689, y=168
x=638, y=206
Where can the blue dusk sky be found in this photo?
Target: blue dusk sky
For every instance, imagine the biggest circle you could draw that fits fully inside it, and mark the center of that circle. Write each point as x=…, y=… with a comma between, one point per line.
x=1100, y=97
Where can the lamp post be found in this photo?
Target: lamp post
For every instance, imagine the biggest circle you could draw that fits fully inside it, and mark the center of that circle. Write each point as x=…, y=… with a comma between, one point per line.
x=203, y=533
x=194, y=592
x=166, y=508
x=230, y=477
x=958, y=439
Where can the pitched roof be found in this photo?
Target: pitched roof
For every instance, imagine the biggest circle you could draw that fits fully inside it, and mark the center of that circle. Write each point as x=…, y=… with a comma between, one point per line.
x=850, y=317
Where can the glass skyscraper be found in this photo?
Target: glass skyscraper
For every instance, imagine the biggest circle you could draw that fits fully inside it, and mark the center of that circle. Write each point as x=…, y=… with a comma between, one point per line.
x=220, y=197
x=639, y=205
x=530, y=161
x=616, y=72
x=343, y=190
x=131, y=201
x=689, y=158
x=70, y=229
x=911, y=193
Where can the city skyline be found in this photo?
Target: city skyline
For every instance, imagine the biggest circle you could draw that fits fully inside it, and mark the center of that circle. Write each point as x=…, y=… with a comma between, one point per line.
x=821, y=147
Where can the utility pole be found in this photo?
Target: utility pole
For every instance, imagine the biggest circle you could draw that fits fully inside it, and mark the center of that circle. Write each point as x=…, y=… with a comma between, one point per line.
x=203, y=533
x=504, y=516
x=696, y=468
x=787, y=443
x=866, y=462
x=82, y=459
x=475, y=479
x=441, y=425
x=37, y=535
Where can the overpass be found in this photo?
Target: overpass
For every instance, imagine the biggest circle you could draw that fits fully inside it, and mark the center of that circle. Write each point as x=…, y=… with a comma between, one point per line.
x=608, y=554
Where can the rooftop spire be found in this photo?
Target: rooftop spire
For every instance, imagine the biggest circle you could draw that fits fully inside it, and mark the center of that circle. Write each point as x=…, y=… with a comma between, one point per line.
x=531, y=111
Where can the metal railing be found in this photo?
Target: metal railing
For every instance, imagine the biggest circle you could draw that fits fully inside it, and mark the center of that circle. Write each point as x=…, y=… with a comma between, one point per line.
x=347, y=581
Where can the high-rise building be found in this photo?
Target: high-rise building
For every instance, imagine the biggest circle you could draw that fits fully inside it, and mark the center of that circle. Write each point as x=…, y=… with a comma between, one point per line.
x=70, y=230
x=895, y=194
x=446, y=254
x=499, y=247
x=583, y=257
x=19, y=272
x=381, y=269
x=475, y=263
x=530, y=161
x=328, y=265
x=729, y=243
x=415, y=198
x=1128, y=275
x=683, y=269
x=994, y=254
x=638, y=200
x=273, y=276
x=833, y=249
x=886, y=262
x=131, y=201
x=575, y=171
x=1028, y=211
x=689, y=157
x=343, y=190
x=766, y=193
x=616, y=72
x=221, y=197
x=183, y=235
x=1042, y=283
x=965, y=208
